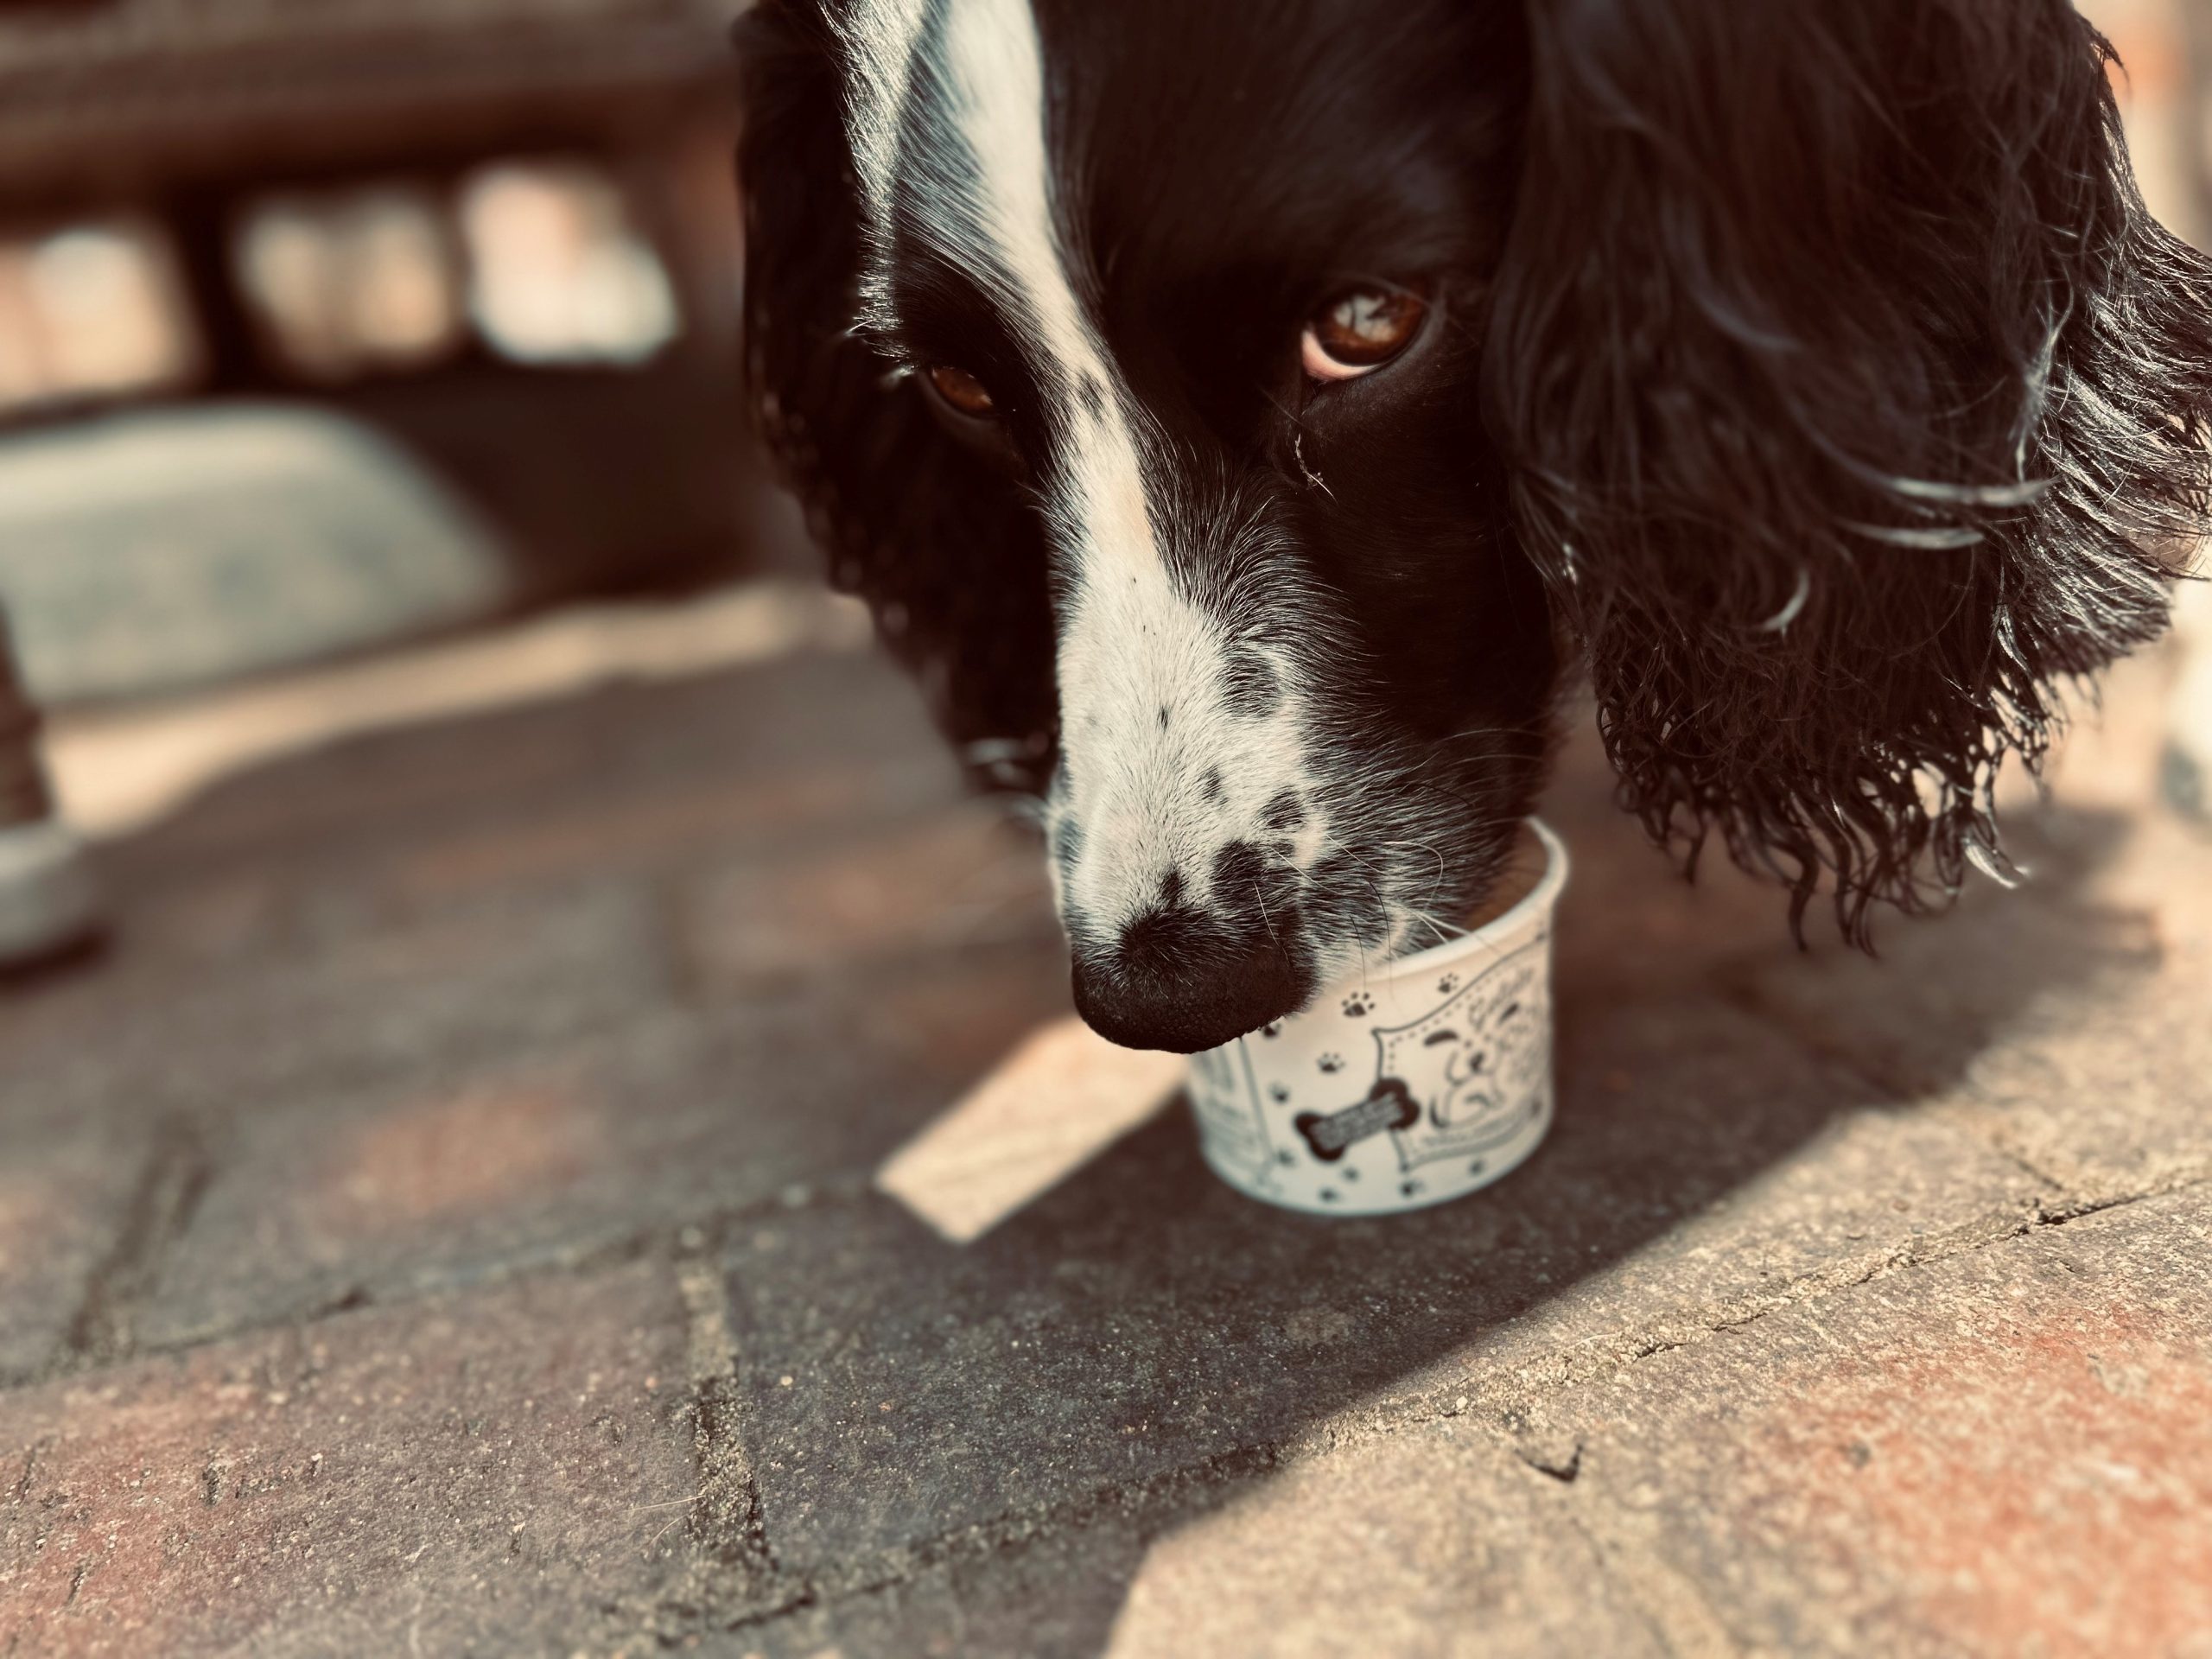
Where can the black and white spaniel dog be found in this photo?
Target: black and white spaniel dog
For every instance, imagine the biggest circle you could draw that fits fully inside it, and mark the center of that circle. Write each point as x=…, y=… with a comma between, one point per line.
x=1247, y=415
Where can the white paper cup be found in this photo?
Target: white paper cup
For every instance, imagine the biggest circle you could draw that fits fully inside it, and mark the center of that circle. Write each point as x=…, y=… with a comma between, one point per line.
x=1423, y=1080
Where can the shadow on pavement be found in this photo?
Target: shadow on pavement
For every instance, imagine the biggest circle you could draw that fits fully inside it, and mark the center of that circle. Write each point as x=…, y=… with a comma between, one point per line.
x=1141, y=1319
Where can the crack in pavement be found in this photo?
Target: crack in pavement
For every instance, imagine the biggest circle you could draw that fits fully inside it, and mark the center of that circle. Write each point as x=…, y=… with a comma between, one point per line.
x=1576, y=1369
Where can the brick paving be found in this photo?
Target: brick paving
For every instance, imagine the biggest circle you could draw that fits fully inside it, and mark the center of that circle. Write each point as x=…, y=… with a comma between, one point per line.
x=444, y=1223
x=496, y=1472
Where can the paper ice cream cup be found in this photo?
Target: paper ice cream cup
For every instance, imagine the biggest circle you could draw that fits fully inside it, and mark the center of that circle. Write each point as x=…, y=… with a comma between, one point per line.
x=1420, y=1080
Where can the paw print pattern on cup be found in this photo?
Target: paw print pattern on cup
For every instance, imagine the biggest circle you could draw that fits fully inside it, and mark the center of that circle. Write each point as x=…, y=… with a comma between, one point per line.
x=1387, y=1094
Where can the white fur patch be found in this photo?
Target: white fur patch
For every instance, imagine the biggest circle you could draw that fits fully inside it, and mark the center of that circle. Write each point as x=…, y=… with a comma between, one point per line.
x=961, y=122
x=880, y=37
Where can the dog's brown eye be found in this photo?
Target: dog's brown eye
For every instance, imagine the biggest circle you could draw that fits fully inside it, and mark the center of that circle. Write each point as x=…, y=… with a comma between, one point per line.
x=962, y=390
x=1358, y=332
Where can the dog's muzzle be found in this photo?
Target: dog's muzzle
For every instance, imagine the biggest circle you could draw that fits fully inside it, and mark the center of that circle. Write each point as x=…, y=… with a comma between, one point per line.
x=1184, y=981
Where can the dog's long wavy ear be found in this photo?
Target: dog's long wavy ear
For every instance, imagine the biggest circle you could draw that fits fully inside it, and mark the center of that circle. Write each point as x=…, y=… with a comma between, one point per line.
x=1855, y=404
x=949, y=557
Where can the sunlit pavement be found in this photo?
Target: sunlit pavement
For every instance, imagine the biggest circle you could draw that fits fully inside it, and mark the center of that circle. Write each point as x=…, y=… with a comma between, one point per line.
x=581, y=1170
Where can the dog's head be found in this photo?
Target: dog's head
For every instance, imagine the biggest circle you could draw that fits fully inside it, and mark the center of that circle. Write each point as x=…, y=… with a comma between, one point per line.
x=1228, y=407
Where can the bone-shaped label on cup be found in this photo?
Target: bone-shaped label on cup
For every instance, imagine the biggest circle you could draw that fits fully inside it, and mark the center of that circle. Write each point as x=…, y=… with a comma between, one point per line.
x=1389, y=1106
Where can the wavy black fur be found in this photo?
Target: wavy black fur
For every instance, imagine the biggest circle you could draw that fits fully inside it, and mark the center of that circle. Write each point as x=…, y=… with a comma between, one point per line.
x=1848, y=308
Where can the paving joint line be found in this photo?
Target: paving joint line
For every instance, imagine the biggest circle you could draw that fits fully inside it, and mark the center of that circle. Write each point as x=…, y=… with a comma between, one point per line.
x=728, y=1531
x=1149, y=1503
x=665, y=1241
x=172, y=1182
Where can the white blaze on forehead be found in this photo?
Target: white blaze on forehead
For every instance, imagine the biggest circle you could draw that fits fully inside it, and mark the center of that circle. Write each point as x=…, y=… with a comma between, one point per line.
x=959, y=123
x=880, y=36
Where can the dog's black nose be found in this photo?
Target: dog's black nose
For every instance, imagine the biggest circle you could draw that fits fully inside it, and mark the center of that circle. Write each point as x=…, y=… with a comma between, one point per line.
x=1181, y=981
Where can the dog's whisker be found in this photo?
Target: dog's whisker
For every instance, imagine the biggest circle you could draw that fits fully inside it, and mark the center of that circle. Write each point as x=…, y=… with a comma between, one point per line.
x=1270, y=920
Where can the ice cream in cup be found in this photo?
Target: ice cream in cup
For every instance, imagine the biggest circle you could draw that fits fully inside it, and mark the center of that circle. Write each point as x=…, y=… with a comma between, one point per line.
x=1420, y=1080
